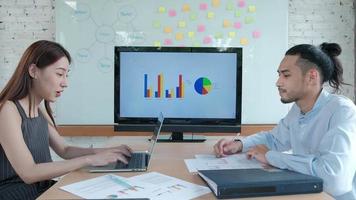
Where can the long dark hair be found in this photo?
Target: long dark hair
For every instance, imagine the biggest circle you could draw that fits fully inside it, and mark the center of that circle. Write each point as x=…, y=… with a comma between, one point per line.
x=41, y=53
x=324, y=58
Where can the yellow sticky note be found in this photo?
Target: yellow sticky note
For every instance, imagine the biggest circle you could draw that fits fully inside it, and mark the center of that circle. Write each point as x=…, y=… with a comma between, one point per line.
x=252, y=9
x=157, y=44
x=210, y=15
x=179, y=36
x=186, y=8
x=167, y=29
x=161, y=9
x=216, y=3
x=191, y=34
x=196, y=44
x=243, y=41
x=181, y=24
x=232, y=34
x=226, y=23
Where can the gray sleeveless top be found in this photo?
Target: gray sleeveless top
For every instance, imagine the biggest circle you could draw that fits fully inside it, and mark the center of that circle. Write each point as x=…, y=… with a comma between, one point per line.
x=36, y=136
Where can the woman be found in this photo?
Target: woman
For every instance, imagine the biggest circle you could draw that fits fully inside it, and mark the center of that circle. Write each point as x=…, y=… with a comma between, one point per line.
x=27, y=131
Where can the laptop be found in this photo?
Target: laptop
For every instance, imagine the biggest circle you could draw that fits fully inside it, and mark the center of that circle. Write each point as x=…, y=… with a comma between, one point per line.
x=139, y=161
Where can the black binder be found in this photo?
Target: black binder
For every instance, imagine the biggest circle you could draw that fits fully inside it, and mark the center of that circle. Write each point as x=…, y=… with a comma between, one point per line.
x=233, y=183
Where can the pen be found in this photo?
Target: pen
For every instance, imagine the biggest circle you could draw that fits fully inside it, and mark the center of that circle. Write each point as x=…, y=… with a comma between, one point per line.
x=121, y=182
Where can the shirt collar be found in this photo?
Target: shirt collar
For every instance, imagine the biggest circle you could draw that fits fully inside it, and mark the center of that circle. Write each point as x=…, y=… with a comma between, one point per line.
x=319, y=103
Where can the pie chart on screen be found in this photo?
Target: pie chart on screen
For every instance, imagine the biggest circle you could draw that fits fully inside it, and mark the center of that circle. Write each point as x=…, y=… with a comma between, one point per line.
x=202, y=85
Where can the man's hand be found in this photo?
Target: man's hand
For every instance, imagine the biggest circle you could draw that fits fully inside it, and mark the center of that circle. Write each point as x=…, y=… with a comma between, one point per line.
x=227, y=147
x=259, y=153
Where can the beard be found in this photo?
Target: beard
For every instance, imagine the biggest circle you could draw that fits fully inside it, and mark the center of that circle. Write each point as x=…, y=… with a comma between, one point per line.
x=285, y=101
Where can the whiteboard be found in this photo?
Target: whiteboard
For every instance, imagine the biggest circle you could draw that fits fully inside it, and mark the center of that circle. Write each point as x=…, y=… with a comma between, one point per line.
x=89, y=30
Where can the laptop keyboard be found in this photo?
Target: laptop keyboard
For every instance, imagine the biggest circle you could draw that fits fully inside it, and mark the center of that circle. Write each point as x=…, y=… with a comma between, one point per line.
x=137, y=160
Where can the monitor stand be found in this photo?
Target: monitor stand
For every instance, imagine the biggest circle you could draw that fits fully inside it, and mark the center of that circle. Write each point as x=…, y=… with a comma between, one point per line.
x=180, y=137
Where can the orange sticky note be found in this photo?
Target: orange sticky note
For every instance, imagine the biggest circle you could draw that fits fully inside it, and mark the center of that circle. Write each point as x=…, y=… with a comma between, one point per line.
x=179, y=36
x=216, y=3
x=226, y=23
x=243, y=41
x=167, y=29
x=186, y=8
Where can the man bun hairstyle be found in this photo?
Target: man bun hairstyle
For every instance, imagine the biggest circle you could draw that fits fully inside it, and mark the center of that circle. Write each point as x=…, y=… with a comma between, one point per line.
x=324, y=58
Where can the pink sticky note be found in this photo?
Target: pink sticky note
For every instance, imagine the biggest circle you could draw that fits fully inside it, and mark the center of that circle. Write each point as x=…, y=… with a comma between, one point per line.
x=172, y=13
x=203, y=6
x=167, y=42
x=241, y=3
x=237, y=25
x=201, y=28
x=256, y=34
x=207, y=40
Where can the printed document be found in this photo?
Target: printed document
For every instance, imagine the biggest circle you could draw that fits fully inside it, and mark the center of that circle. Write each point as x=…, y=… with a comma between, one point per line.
x=152, y=185
x=211, y=162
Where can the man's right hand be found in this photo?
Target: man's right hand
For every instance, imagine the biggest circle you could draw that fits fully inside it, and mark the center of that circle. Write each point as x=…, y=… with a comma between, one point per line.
x=227, y=147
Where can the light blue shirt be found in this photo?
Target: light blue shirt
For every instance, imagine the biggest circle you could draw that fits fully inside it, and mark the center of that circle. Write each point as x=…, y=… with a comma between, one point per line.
x=323, y=143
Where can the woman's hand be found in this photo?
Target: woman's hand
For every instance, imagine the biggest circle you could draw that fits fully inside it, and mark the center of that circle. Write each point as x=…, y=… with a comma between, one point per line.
x=105, y=156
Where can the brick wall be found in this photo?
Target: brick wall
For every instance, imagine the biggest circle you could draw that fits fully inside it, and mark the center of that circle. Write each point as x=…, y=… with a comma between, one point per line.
x=25, y=21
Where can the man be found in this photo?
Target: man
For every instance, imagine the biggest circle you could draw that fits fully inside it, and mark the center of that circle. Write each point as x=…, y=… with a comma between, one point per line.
x=320, y=128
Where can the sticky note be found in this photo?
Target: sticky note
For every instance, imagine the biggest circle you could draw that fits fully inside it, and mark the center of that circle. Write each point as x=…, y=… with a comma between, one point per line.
x=201, y=28
x=193, y=16
x=157, y=44
x=242, y=3
x=186, y=8
x=243, y=41
x=167, y=29
x=210, y=15
x=216, y=3
x=237, y=25
x=172, y=13
x=230, y=6
x=207, y=40
x=238, y=13
x=196, y=44
x=168, y=42
x=179, y=36
x=232, y=34
x=251, y=8
x=256, y=34
x=203, y=6
x=218, y=35
x=226, y=23
x=191, y=34
x=249, y=20
x=181, y=24
x=161, y=9
x=156, y=24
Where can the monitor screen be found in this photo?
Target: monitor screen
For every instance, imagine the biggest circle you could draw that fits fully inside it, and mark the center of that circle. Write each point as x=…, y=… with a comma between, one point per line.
x=197, y=89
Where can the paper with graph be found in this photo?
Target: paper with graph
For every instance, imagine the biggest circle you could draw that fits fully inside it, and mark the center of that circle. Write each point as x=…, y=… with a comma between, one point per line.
x=211, y=162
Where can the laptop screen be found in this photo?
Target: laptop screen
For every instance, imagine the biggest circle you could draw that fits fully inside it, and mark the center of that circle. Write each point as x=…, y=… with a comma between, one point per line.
x=156, y=132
